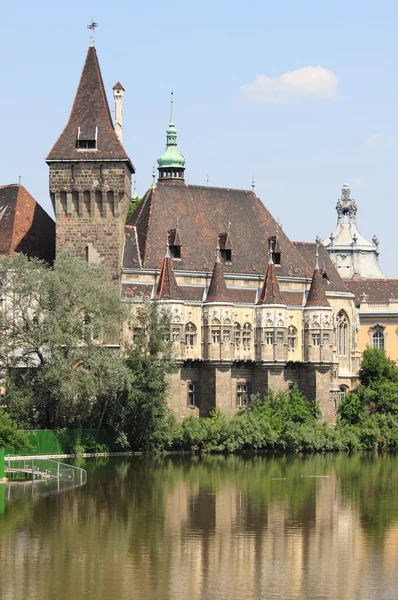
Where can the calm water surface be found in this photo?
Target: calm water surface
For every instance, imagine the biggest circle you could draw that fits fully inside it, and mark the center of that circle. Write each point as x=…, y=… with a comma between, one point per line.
x=212, y=528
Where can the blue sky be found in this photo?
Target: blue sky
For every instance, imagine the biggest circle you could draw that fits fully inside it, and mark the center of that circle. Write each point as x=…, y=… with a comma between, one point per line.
x=332, y=119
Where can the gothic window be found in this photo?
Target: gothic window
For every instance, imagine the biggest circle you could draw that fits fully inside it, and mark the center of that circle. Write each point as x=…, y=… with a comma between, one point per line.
x=342, y=333
x=237, y=335
x=192, y=393
x=175, y=334
x=378, y=338
x=269, y=338
x=215, y=335
x=226, y=336
x=325, y=339
x=247, y=336
x=190, y=334
x=316, y=339
x=279, y=338
x=292, y=337
x=242, y=394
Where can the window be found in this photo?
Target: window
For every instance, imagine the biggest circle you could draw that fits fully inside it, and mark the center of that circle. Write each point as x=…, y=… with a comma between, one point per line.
x=86, y=144
x=279, y=338
x=226, y=336
x=175, y=251
x=237, y=335
x=175, y=334
x=378, y=338
x=325, y=339
x=226, y=255
x=215, y=335
x=247, y=336
x=269, y=338
x=192, y=394
x=342, y=333
x=316, y=339
x=292, y=337
x=242, y=394
x=190, y=334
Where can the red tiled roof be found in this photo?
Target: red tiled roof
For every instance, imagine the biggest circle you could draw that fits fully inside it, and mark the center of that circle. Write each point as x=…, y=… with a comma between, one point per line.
x=316, y=295
x=90, y=112
x=24, y=226
x=203, y=212
x=376, y=290
x=137, y=290
x=293, y=298
x=218, y=291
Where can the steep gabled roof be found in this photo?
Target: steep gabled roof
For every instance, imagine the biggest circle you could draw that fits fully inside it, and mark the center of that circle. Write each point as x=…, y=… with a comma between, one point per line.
x=203, y=212
x=91, y=116
x=24, y=226
x=270, y=293
x=167, y=288
x=218, y=291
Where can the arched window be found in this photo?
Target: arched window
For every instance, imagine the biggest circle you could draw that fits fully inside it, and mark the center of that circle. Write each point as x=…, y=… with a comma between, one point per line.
x=238, y=333
x=247, y=336
x=190, y=334
x=342, y=333
x=292, y=337
x=378, y=338
x=216, y=331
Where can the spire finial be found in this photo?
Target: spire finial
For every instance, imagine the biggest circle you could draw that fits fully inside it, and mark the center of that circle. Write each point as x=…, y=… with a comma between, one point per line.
x=177, y=221
x=92, y=27
x=253, y=183
x=153, y=175
x=270, y=259
x=172, y=110
x=167, y=255
x=317, y=256
x=218, y=258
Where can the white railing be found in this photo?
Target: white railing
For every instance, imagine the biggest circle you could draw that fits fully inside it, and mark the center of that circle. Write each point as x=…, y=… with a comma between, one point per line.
x=43, y=468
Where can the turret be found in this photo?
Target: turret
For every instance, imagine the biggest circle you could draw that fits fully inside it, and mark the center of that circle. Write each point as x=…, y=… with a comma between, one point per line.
x=271, y=318
x=118, y=95
x=218, y=316
x=318, y=320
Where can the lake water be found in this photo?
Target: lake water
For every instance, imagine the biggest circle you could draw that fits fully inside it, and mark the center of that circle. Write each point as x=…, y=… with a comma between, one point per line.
x=208, y=528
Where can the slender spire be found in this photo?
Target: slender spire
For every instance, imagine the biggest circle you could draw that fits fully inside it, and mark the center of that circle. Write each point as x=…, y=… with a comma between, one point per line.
x=171, y=163
x=92, y=27
x=270, y=293
x=167, y=288
x=135, y=195
x=317, y=295
x=218, y=291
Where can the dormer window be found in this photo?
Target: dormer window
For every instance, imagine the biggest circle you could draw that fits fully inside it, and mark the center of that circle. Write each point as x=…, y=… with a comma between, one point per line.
x=87, y=138
x=276, y=249
x=224, y=241
x=175, y=244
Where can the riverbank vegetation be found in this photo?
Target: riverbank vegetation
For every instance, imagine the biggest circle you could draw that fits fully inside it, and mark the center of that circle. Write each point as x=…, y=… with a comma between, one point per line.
x=58, y=349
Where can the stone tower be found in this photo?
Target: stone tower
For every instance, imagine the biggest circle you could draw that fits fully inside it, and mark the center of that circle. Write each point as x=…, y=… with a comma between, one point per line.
x=90, y=176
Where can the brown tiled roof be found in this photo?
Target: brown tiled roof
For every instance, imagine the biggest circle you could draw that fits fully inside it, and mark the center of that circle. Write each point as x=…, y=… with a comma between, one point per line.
x=90, y=112
x=332, y=281
x=193, y=293
x=203, y=212
x=242, y=295
x=270, y=293
x=167, y=288
x=131, y=251
x=24, y=226
x=376, y=290
x=316, y=295
x=118, y=86
x=293, y=298
x=218, y=291
x=137, y=290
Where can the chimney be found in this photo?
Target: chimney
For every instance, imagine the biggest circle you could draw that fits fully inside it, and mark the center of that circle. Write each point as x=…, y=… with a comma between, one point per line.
x=118, y=94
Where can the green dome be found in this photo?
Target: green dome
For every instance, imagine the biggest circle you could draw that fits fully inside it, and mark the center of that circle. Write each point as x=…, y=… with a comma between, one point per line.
x=171, y=158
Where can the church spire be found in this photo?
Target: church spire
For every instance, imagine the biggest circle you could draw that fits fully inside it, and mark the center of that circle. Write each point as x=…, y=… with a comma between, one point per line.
x=316, y=295
x=171, y=163
x=218, y=291
x=167, y=288
x=270, y=293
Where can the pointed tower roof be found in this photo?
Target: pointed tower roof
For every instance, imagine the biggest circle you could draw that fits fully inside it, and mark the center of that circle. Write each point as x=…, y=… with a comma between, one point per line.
x=316, y=295
x=167, y=288
x=270, y=293
x=90, y=121
x=218, y=291
x=171, y=158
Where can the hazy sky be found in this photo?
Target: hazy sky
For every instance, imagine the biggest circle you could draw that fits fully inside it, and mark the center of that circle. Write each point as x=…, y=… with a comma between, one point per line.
x=302, y=94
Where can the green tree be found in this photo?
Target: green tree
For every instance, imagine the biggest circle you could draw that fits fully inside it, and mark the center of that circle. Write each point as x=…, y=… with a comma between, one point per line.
x=376, y=367
x=59, y=338
x=10, y=436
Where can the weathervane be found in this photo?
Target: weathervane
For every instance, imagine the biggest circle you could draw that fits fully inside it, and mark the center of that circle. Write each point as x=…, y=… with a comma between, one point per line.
x=92, y=27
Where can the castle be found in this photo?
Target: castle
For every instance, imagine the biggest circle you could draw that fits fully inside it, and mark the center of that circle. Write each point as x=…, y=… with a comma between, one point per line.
x=250, y=309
